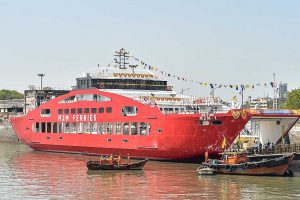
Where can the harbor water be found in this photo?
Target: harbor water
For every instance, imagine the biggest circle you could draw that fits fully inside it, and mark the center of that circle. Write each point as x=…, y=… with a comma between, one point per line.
x=29, y=174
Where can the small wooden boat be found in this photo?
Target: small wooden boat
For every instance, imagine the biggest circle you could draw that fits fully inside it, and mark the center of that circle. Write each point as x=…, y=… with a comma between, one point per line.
x=238, y=164
x=95, y=165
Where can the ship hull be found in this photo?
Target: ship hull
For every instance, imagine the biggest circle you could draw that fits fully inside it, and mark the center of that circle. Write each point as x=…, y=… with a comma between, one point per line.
x=172, y=137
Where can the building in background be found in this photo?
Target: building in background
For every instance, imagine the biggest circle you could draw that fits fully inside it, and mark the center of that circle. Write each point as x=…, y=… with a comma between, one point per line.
x=283, y=91
x=260, y=103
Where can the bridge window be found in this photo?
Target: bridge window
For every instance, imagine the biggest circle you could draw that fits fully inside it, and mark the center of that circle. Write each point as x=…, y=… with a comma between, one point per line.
x=86, y=110
x=45, y=113
x=85, y=97
x=126, y=128
x=48, y=127
x=129, y=111
x=118, y=126
x=36, y=127
x=142, y=128
x=60, y=111
x=133, y=128
x=101, y=129
x=109, y=109
x=80, y=127
x=94, y=127
x=73, y=127
x=109, y=128
x=43, y=127
x=73, y=111
x=94, y=110
x=67, y=127
x=87, y=127
x=60, y=127
x=101, y=110
x=79, y=110
x=66, y=111
x=54, y=127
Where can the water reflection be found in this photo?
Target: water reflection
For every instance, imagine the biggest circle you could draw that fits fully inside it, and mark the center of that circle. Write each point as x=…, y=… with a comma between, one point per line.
x=29, y=174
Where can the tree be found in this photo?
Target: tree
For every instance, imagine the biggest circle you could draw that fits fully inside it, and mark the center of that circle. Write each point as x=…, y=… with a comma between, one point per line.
x=293, y=99
x=10, y=94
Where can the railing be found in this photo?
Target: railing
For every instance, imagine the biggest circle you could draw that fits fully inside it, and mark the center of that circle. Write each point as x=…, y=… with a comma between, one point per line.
x=277, y=149
x=274, y=111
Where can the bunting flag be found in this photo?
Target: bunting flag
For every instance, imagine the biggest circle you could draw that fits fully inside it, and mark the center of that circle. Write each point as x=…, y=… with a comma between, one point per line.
x=239, y=141
x=205, y=84
x=224, y=143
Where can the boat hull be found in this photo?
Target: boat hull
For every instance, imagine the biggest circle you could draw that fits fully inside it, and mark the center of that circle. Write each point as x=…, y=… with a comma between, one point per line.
x=95, y=165
x=271, y=167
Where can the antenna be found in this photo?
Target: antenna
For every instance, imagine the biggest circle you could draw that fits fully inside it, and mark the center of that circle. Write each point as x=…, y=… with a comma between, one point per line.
x=121, y=57
x=133, y=67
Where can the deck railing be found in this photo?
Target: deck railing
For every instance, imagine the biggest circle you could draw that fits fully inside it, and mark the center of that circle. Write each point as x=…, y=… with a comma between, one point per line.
x=277, y=149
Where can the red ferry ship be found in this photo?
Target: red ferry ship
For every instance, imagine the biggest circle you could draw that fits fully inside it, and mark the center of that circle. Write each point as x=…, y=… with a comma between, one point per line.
x=129, y=112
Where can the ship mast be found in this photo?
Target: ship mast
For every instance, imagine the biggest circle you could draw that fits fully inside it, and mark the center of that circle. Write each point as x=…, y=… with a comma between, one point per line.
x=121, y=57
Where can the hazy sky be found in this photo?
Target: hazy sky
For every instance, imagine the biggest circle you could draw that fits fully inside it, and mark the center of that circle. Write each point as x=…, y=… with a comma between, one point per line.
x=211, y=41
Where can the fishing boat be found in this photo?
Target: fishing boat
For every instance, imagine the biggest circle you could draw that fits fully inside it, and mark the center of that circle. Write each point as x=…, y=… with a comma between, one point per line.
x=238, y=164
x=96, y=165
x=126, y=109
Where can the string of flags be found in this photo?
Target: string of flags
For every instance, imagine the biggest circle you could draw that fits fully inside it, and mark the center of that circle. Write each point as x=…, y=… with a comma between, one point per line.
x=202, y=83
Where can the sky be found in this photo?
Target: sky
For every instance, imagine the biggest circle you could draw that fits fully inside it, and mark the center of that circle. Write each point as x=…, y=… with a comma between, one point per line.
x=226, y=42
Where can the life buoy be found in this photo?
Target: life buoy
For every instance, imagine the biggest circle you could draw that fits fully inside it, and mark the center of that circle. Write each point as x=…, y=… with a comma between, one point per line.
x=101, y=85
x=246, y=165
x=145, y=99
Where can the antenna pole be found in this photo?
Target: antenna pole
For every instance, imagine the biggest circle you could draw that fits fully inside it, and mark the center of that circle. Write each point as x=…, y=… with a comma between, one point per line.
x=133, y=67
x=41, y=75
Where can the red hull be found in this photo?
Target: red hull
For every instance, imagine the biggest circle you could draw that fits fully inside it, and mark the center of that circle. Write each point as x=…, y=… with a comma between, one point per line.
x=172, y=136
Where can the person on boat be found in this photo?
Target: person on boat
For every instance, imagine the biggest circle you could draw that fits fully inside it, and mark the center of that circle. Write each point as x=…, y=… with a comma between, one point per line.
x=100, y=161
x=111, y=159
x=128, y=159
x=206, y=155
x=119, y=160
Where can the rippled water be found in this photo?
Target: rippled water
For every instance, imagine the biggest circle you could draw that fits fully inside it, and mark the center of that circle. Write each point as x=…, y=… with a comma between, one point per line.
x=28, y=174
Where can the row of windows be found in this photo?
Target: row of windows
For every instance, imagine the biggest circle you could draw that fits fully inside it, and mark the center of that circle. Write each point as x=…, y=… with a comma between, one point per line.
x=84, y=110
x=118, y=128
x=129, y=84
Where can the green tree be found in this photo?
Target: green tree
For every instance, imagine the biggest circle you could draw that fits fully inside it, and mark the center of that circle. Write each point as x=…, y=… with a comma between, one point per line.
x=10, y=94
x=293, y=99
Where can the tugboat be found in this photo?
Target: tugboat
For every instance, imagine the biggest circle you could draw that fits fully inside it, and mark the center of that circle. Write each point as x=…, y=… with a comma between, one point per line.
x=238, y=164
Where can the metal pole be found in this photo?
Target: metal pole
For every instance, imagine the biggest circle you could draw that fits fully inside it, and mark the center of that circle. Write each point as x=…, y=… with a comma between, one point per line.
x=275, y=93
x=41, y=75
